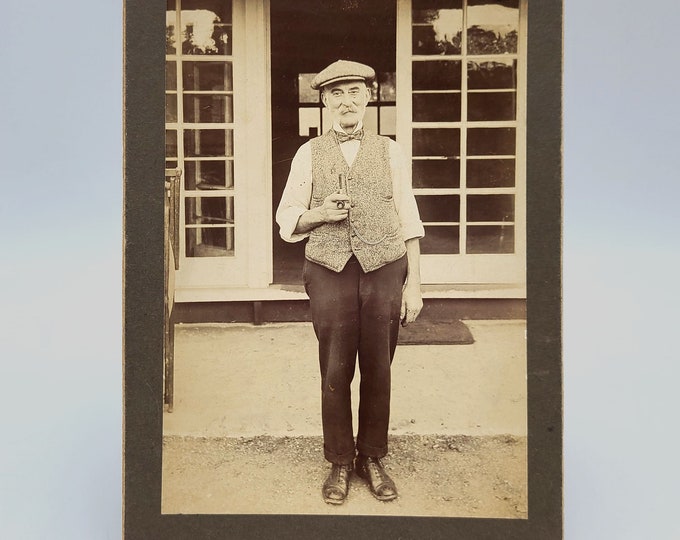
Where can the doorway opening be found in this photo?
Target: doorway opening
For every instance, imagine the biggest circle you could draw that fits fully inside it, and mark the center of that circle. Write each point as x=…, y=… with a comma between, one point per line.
x=306, y=36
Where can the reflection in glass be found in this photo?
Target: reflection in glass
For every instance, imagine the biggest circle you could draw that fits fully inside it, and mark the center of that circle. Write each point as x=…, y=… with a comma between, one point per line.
x=208, y=142
x=170, y=143
x=208, y=109
x=442, y=239
x=438, y=27
x=209, y=210
x=491, y=141
x=171, y=108
x=208, y=175
x=444, y=142
x=493, y=173
x=439, y=208
x=221, y=9
x=490, y=239
x=492, y=26
x=491, y=207
x=491, y=106
x=210, y=242
x=436, y=173
x=207, y=76
x=171, y=75
x=444, y=107
x=437, y=75
x=170, y=36
x=306, y=94
x=205, y=27
x=492, y=74
x=387, y=83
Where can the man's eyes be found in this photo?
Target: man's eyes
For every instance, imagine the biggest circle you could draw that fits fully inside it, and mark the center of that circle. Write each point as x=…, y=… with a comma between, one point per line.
x=351, y=93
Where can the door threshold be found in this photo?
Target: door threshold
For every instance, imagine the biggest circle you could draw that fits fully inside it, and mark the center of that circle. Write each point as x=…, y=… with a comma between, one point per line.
x=281, y=292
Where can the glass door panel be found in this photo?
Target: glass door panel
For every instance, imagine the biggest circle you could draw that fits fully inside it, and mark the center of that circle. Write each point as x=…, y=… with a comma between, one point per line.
x=201, y=138
x=465, y=71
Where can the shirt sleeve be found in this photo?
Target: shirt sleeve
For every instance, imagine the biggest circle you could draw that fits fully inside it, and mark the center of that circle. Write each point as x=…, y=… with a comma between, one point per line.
x=296, y=196
x=404, y=200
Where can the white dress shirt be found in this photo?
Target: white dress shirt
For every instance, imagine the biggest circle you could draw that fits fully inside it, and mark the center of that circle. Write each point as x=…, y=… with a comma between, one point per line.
x=297, y=195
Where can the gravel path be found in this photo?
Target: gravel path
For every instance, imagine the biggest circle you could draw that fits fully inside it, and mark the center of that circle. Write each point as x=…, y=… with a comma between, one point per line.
x=452, y=476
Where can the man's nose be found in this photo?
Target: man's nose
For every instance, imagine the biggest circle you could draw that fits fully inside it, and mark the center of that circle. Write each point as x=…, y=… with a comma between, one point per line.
x=347, y=99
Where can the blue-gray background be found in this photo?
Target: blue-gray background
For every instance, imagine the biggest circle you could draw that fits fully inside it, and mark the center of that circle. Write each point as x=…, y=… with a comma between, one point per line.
x=60, y=296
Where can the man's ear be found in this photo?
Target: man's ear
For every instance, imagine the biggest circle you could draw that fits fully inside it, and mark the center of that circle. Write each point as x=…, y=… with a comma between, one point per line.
x=323, y=98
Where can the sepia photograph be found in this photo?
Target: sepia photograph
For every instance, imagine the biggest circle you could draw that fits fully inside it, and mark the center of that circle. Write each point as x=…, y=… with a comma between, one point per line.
x=345, y=246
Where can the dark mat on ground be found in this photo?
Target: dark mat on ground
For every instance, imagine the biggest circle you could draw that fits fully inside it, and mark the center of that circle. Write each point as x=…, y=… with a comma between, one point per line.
x=428, y=332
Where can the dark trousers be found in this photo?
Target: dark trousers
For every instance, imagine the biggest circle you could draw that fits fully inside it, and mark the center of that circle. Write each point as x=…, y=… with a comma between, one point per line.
x=355, y=312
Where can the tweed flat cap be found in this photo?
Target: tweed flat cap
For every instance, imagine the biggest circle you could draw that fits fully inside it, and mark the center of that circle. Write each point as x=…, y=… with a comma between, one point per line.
x=343, y=70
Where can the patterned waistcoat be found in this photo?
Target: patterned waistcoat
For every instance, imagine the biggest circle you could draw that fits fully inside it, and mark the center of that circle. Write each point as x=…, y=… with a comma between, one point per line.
x=372, y=231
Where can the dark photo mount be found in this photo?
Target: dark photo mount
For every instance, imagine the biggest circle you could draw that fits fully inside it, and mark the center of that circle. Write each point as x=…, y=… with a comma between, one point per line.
x=144, y=134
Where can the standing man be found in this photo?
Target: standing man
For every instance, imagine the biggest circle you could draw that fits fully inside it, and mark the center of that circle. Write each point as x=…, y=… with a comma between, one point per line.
x=349, y=192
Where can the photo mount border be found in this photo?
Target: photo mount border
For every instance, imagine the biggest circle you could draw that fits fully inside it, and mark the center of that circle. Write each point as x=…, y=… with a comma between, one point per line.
x=143, y=311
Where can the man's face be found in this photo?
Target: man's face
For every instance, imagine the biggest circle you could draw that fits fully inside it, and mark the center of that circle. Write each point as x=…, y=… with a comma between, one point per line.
x=346, y=101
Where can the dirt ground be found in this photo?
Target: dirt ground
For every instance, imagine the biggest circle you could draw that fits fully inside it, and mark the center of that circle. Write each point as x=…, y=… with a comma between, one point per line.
x=244, y=435
x=450, y=476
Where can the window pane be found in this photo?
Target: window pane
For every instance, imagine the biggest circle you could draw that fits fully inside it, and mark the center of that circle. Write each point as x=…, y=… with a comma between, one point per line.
x=490, y=208
x=305, y=92
x=171, y=75
x=208, y=175
x=440, y=240
x=326, y=122
x=436, y=173
x=171, y=164
x=212, y=242
x=170, y=143
x=490, y=239
x=208, y=142
x=436, y=107
x=437, y=208
x=209, y=210
x=492, y=26
x=203, y=27
x=171, y=108
x=438, y=27
x=210, y=108
x=220, y=9
x=388, y=86
x=492, y=74
x=437, y=75
x=482, y=173
x=207, y=76
x=170, y=31
x=442, y=142
x=491, y=106
x=388, y=120
x=371, y=119
x=490, y=141
x=309, y=121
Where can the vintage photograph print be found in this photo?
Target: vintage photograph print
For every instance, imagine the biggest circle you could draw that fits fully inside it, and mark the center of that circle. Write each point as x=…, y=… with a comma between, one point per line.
x=343, y=280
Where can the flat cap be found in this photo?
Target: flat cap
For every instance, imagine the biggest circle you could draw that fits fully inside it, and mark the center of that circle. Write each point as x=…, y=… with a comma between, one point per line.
x=343, y=70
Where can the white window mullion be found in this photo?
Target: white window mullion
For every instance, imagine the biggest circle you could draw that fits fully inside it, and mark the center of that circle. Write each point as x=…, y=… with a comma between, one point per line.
x=462, y=229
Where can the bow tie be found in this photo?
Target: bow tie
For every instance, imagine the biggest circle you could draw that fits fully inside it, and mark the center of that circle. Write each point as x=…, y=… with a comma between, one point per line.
x=344, y=137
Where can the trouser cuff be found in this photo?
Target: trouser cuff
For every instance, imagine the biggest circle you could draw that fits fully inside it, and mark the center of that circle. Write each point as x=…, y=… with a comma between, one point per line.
x=339, y=459
x=371, y=451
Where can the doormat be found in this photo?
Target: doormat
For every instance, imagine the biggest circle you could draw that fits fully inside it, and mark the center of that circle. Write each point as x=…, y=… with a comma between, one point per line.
x=435, y=333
